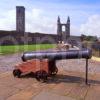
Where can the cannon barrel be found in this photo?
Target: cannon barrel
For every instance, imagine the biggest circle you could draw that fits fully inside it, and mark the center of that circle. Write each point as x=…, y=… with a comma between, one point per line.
x=57, y=55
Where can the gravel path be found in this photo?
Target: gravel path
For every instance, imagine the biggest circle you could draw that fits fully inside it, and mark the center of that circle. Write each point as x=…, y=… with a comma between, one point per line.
x=7, y=62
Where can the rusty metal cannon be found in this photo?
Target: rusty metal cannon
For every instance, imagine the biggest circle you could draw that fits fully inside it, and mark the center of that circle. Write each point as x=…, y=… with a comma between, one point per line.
x=46, y=62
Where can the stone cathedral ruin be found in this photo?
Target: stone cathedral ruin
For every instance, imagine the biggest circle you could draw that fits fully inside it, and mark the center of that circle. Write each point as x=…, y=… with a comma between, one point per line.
x=63, y=35
x=19, y=36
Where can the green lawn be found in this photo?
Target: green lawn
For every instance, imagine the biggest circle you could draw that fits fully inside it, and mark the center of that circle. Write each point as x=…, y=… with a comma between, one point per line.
x=22, y=48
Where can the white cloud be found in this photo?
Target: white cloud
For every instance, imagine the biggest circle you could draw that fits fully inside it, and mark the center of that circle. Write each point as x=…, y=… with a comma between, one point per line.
x=36, y=12
x=8, y=20
x=74, y=30
x=92, y=26
x=36, y=21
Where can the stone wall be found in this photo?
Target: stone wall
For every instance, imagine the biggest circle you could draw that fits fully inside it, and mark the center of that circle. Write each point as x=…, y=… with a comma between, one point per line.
x=17, y=38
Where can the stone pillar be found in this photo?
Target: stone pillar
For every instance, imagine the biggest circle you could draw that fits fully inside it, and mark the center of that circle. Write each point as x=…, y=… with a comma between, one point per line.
x=20, y=19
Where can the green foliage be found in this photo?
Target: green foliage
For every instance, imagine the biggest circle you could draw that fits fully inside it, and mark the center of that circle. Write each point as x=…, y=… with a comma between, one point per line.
x=23, y=48
x=88, y=38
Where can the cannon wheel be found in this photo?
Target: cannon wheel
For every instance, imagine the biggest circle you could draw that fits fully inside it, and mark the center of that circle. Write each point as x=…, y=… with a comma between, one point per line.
x=17, y=73
x=41, y=76
x=53, y=73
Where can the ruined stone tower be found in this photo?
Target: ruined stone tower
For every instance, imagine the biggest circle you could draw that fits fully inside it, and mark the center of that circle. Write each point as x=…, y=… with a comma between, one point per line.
x=63, y=34
x=20, y=19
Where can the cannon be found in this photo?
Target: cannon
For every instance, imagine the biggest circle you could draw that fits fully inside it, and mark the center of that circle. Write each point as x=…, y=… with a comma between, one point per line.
x=58, y=55
x=47, y=62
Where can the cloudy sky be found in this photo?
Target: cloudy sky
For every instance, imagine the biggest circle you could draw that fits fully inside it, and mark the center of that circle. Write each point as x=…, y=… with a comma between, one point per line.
x=41, y=15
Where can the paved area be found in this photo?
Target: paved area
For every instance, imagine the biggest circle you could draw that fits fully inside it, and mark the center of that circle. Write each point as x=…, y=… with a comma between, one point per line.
x=69, y=84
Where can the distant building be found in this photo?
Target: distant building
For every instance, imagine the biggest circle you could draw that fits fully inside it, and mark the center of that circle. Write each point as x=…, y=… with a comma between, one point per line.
x=63, y=34
x=20, y=19
x=18, y=37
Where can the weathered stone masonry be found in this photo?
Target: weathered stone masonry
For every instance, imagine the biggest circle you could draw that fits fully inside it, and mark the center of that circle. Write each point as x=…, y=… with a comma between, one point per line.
x=21, y=37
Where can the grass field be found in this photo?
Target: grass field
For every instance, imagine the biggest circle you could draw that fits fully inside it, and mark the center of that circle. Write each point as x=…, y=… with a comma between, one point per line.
x=22, y=48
